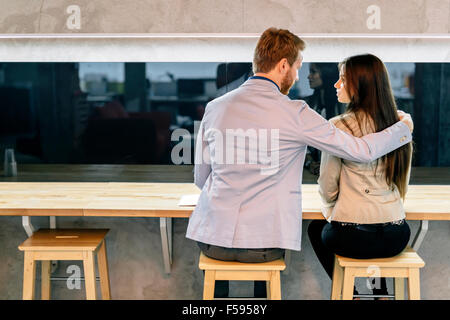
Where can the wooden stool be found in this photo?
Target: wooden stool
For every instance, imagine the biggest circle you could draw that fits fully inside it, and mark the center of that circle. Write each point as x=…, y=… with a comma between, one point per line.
x=404, y=265
x=233, y=270
x=65, y=244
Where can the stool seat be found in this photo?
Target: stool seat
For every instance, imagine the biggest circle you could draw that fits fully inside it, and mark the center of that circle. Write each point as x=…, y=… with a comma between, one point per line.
x=64, y=239
x=207, y=263
x=404, y=265
x=408, y=258
x=65, y=244
x=235, y=270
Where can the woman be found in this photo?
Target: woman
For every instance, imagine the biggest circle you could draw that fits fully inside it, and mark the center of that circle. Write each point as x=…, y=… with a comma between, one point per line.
x=362, y=202
x=323, y=100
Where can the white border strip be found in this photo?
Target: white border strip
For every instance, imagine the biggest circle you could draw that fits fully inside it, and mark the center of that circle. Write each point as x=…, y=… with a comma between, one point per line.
x=217, y=35
x=223, y=48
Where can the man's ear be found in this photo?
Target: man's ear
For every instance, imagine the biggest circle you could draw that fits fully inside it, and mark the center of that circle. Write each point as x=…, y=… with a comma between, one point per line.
x=283, y=65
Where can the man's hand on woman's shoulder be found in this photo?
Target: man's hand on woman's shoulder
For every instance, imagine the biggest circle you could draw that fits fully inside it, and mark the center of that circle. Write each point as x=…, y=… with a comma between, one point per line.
x=406, y=118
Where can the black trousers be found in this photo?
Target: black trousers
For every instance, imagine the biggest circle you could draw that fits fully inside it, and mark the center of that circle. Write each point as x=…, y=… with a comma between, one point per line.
x=364, y=241
x=221, y=289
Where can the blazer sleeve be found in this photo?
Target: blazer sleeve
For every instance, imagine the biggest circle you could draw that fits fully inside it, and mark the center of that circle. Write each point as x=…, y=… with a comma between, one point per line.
x=202, y=160
x=317, y=132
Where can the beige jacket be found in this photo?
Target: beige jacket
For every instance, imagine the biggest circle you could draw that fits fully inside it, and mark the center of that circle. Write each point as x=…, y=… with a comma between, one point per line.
x=351, y=192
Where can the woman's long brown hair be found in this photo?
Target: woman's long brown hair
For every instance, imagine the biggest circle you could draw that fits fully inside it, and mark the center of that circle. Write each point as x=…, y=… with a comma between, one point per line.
x=367, y=83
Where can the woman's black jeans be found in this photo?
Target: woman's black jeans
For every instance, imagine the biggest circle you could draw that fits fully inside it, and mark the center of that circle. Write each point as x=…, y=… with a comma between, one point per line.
x=221, y=289
x=358, y=241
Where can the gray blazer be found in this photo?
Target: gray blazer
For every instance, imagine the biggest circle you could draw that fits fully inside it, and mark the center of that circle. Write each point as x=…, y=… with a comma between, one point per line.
x=256, y=203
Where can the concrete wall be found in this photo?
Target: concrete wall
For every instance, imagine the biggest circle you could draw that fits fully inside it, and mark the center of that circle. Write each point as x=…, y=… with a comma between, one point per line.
x=224, y=31
x=216, y=16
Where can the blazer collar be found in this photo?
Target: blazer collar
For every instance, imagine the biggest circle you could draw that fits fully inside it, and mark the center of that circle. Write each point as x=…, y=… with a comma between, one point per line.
x=266, y=83
x=267, y=79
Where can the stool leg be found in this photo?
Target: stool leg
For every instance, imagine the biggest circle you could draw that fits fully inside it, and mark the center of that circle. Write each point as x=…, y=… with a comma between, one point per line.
x=414, y=284
x=165, y=226
x=275, y=286
x=89, y=275
x=103, y=271
x=338, y=277
x=287, y=261
x=29, y=276
x=399, y=288
x=209, y=284
x=349, y=282
x=45, y=279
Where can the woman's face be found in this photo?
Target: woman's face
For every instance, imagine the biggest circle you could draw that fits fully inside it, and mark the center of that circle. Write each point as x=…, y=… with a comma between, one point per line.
x=341, y=91
x=315, y=81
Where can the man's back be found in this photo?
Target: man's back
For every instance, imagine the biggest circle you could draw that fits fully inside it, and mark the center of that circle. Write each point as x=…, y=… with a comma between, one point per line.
x=252, y=198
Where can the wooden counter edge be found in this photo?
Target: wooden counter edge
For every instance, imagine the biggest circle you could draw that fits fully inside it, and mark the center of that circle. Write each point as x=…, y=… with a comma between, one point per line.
x=172, y=213
x=182, y=213
x=42, y=212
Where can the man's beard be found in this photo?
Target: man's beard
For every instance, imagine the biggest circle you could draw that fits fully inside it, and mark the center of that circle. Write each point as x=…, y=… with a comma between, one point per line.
x=286, y=84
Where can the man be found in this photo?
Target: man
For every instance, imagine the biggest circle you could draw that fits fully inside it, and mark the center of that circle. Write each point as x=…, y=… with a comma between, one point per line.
x=253, y=201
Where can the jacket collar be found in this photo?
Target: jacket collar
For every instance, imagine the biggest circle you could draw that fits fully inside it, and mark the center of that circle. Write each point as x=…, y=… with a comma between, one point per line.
x=264, y=82
x=267, y=79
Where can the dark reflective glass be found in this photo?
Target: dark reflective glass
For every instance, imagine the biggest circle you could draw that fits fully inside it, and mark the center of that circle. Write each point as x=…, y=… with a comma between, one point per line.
x=126, y=113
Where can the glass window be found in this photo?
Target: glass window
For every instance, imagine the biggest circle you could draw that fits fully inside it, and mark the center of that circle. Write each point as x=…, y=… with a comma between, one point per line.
x=125, y=113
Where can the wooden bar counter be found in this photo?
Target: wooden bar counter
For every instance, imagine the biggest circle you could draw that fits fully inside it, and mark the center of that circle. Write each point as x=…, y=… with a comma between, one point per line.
x=119, y=199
